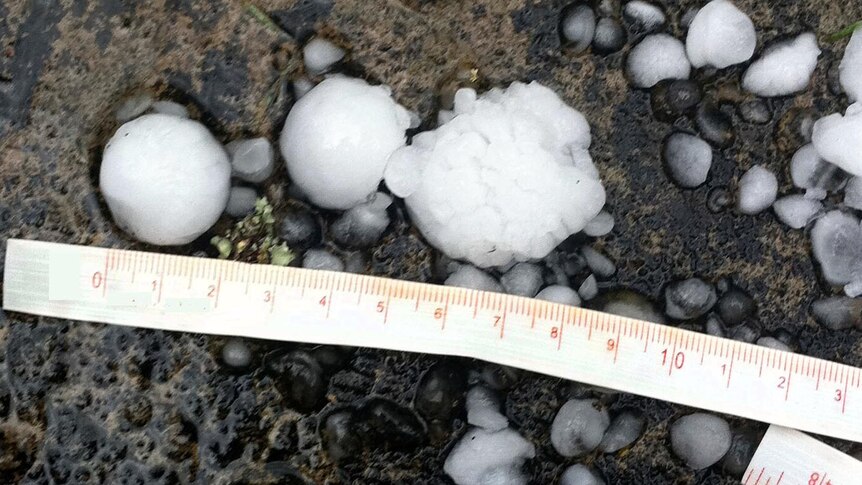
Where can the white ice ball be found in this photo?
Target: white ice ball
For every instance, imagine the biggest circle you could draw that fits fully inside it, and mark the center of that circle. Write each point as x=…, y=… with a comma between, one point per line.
x=337, y=138
x=166, y=179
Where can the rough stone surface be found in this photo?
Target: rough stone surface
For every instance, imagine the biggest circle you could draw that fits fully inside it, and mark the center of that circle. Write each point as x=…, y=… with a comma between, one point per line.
x=84, y=400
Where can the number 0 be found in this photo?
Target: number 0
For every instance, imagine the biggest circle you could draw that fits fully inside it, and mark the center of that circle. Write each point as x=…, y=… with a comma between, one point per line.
x=97, y=279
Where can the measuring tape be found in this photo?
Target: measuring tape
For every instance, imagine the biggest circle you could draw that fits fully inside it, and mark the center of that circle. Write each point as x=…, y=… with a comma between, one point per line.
x=786, y=456
x=201, y=295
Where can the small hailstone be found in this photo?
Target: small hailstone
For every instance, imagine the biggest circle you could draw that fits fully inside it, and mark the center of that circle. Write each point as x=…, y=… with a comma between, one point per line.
x=796, y=211
x=338, y=137
x=166, y=179
x=133, y=107
x=241, y=201
x=598, y=262
x=483, y=409
x=657, y=57
x=300, y=229
x=837, y=139
x=714, y=326
x=601, y=225
x=853, y=193
x=758, y=189
x=755, y=111
x=524, y=279
x=689, y=298
x=838, y=312
x=578, y=26
x=301, y=87
x=854, y=288
x=632, y=305
x=560, y=294
x=784, y=68
x=479, y=192
x=623, y=431
x=355, y=262
x=688, y=159
x=236, y=353
x=469, y=276
x=170, y=108
x=609, y=36
x=322, y=259
x=735, y=305
x=363, y=225
x=714, y=125
x=589, y=288
x=700, y=439
x=773, y=343
x=850, y=69
x=579, y=427
x=646, y=14
x=836, y=241
x=252, y=160
x=320, y=54
x=482, y=454
x=578, y=474
x=744, y=333
x=809, y=171
x=720, y=35
x=815, y=194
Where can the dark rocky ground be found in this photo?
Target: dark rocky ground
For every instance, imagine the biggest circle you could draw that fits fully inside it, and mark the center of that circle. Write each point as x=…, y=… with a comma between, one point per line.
x=89, y=403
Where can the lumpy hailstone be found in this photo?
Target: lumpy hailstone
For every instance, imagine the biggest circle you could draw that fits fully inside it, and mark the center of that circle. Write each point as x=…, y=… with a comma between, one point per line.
x=784, y=68
x=166, y=179
x=506, y=179
x=657, y=57
x=489, y=457
x=850, y=69
x=720, y=35
x=837, y=139
x=337, y=138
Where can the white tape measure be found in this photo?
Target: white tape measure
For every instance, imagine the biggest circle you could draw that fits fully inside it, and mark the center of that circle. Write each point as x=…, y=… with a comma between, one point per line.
x=788, y=457
x=154, y=290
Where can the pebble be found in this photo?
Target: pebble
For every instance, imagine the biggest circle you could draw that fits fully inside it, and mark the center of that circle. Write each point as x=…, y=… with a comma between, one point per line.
x=714, y=125
x=784, y=68
x=601, y=225
x=853, y=193
x=688, y=159
x=756, y=112
x=850, y=69
x=252, y=160
x=836, y=241
x=599, y=264
x=700, y=439
x=440, y=392
x=838, y=312
x=236, y=354
x=589, y=288
x=578, y=474
x=688, y=299
x=340, y=436
x=657, y=57
x=796, y=211
x=560, y=294
x=632, y=305
x=578, y=26
x=773, y=343
x=758, y=189
x=170, y=108
x=241, y=201
x=300, y=229
x=362, y=226
x=673, y=98
x=488, y=457
x=648, y=16
x=809, y=171
x=298, y=377
x=320, y=54
x=623, y=431
x=720, y=35
x=524, y=279
x=133, y=107
x=469, y=276
x=610, y=36
x=718, y=199
x=579, y=427
x=483, y=409
x=322, y=260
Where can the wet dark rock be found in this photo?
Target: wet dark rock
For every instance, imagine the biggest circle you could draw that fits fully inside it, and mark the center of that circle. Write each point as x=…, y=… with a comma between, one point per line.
x=610, y=36
x=756, y=111
x=714, y=125
x=341, y=436
x=298, y=377
x=300, y=229
x=673, y=98
x=734, y=306
x=387, y=423
x=440, y=392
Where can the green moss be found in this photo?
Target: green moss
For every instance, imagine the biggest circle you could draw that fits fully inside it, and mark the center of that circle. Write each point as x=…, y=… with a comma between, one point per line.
x=253, y=239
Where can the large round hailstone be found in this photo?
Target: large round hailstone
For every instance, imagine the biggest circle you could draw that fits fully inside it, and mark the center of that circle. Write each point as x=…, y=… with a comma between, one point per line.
x=837, y=139
x=506, y=179
x=337, y=138
x=850, y=69
x=720, y=35
x=166, y=179
x=784, y=68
